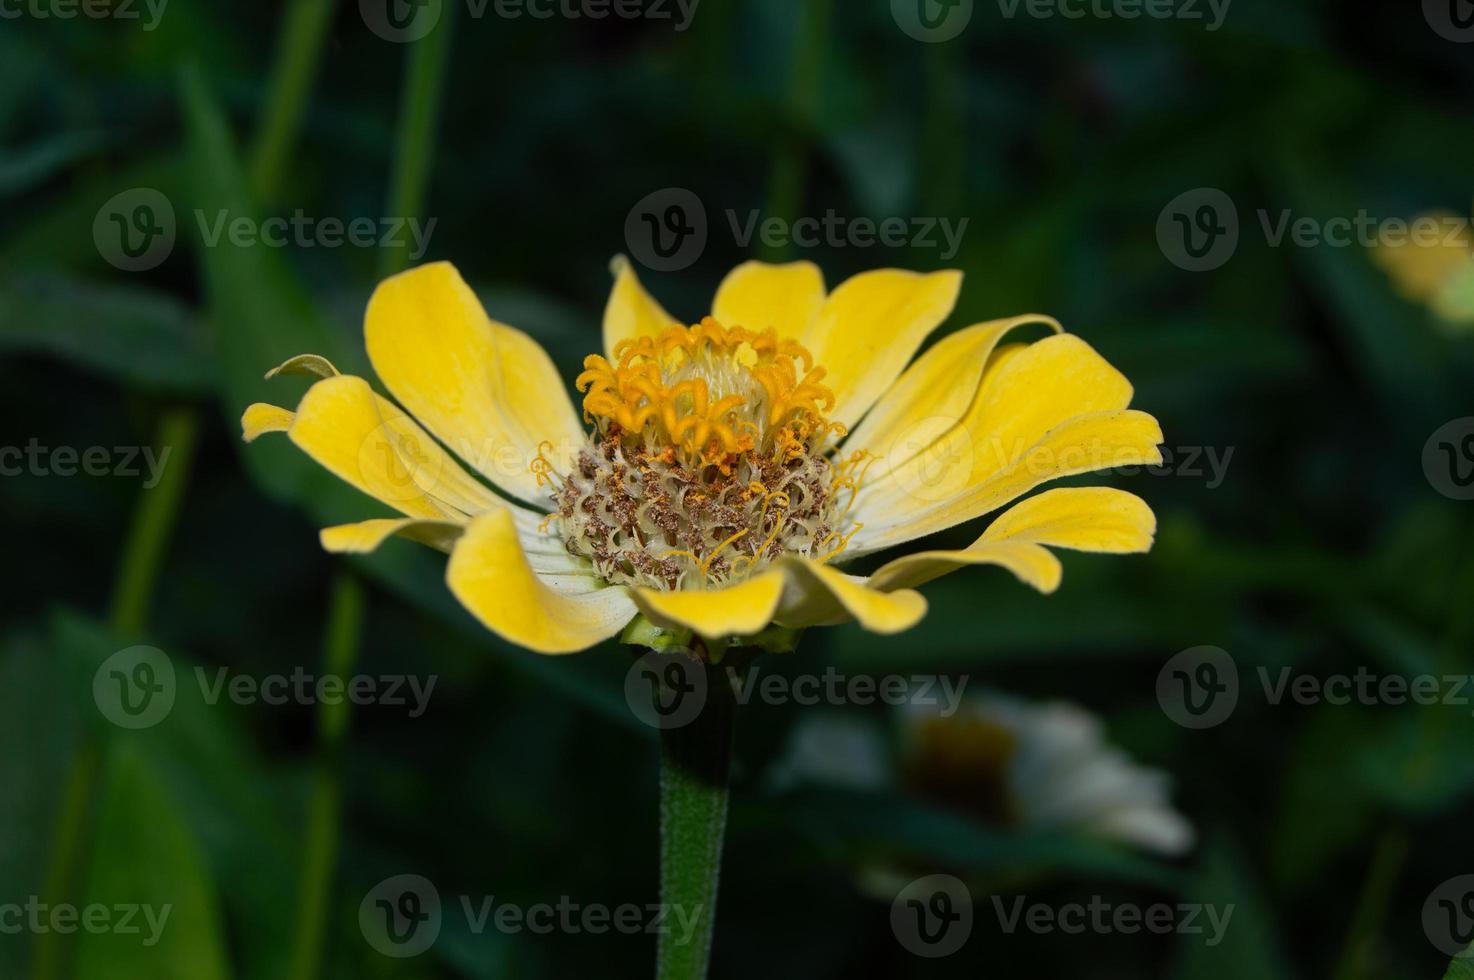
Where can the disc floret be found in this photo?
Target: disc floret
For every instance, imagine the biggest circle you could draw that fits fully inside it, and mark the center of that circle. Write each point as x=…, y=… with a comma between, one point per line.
x=711, y=456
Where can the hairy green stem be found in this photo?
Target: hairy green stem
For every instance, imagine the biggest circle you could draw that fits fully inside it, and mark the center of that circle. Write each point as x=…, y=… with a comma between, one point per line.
x=694, y=763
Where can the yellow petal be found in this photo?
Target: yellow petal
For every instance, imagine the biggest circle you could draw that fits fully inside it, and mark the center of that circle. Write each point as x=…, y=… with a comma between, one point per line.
x=311, y=365
x=490, y=575
x=818, y=595
x=488, y=391
x=942, y=384
x=1081, y=518
x=737, y=610
x=366, y=536
x=870, y=327
x=367, y=441
x=1096, y=441
x=261, y=418
x=631, y=312
x=757, y=295
x=1025, y=394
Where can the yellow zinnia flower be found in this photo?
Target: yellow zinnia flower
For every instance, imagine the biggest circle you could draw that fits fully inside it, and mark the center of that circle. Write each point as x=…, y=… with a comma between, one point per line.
x=1434, y=266
x=732, y=465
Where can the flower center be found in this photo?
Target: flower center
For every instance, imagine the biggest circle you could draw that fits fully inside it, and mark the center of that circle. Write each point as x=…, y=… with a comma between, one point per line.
x=711, y=456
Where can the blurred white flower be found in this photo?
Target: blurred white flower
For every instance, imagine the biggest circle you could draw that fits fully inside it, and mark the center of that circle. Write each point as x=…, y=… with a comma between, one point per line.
x=1031, y=766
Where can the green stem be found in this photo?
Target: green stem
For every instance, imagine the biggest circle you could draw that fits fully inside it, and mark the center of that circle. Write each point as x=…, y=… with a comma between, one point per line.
x=419, y=114
x=1371, y=907
x=791, y=158
x=320, y=853
x=298, y=55
x=1392, y=846
x=694, y=764
x=153, y=523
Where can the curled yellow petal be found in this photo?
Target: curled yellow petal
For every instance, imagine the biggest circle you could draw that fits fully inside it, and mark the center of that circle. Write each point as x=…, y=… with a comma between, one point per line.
x=366, y=536
x=736, y=610
x=1097, y=519
x=261, y=418
x=819, y=595
x=490, y=575
x=310, y=365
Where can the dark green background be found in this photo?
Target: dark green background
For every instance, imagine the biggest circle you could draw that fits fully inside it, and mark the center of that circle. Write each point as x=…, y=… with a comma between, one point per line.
x=1060, y=141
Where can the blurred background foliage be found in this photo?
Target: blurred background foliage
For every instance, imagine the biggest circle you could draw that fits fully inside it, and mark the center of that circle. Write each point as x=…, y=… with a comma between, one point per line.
x=528, y=141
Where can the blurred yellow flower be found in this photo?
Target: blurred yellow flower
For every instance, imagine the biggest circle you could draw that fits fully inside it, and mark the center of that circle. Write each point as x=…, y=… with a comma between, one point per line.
x=732, y=464
x=1432, y=265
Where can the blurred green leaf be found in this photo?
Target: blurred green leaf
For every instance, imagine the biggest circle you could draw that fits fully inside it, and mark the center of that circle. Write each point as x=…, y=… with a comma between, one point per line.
x=1462, y=967
x=133, y=334
x=260, y=313
x=145, y=856
x=1250, y=947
